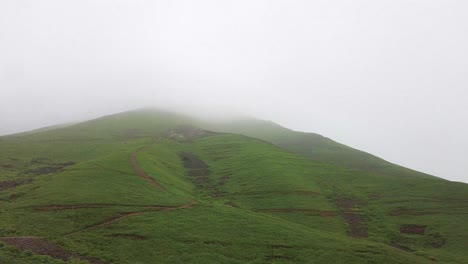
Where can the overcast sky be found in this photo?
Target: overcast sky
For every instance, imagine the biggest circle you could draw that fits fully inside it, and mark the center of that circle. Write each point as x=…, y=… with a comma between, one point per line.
x=388, y=77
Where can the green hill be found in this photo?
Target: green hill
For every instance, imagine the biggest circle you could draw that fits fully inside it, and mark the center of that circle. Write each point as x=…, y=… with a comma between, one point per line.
x=313, y=146
x=157, y=187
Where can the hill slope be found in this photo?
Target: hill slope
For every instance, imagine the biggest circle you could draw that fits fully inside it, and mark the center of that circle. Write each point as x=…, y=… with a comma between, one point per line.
x=312, y=145
x=147, y=187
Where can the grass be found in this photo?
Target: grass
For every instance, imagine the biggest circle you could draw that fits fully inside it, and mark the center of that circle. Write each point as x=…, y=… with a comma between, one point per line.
x=313, y=146
x=258, y=203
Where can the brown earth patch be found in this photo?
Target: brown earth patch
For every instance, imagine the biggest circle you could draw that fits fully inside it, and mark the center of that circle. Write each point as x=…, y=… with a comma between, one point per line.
x=401, y=247
x=281, y=246
x=410, y=212
x=15, y=196
x=188, y=133
x=45, y=170
x=40, y=246
x=348, y=203
x=277, y=257
x=231, y=204
x=375, y=196
x=48, y=208
x=7, y=166
x=198, y=170
x=366, y=251
x=433, y=211
x=413, y=198
x=321, y=213
x=13, y=183
x=436, y=240
x=440, y=199
x=355, y=220
x=217, y=193
x=66, y=164
x=216, y=242
x=306, y=193
x=223, y=179
x=298, y=192
x=85, y=206
x=413, y=229
x=51, y=168
x=40, y=160
x=195, y=165
x=128, y=236
x=356, y=224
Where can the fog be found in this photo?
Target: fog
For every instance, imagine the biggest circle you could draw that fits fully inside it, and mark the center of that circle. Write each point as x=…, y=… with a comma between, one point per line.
x=387, y=77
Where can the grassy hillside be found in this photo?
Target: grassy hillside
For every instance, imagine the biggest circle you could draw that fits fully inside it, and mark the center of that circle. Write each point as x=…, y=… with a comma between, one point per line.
x=313, y=146
x=143, y=187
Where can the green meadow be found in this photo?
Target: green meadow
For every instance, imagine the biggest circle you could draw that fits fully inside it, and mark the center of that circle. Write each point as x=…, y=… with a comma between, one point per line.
x=248, y=192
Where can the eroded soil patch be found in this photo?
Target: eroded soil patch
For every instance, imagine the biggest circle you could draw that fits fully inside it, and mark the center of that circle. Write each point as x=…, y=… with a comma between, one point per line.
x=279, y=192
x=13, y=183
x=7, y=166
x=354, y=219
x=128, y=236
x=47, y=208
x=40, y=160
x=47, y=166
x=432, y=211
x=321, y=213
x=188, y=133
x=40, y=246
x=281, y=246
x=197, y=169
x=413, y=229
x=216, y=242
x=277, y=257
x=52, y=168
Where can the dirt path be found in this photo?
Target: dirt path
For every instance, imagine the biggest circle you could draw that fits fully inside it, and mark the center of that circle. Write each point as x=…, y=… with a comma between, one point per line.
x=128, y=214
x=110, y=169
x=106, y=222
x=141, y=173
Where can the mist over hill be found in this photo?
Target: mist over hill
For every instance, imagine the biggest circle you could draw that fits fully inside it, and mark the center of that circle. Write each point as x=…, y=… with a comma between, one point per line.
x=385, y=77
x=275, y=132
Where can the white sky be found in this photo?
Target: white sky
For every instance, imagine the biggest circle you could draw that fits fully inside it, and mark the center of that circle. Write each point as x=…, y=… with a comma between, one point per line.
x=387, y=77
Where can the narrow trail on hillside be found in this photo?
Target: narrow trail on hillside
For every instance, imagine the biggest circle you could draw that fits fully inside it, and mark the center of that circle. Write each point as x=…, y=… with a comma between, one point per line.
x=128, y=214
x=40, y=246
x=110, y=169
x=140, y=172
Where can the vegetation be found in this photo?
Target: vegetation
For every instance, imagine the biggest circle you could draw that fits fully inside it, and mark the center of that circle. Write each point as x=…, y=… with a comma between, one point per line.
x=225, y=198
